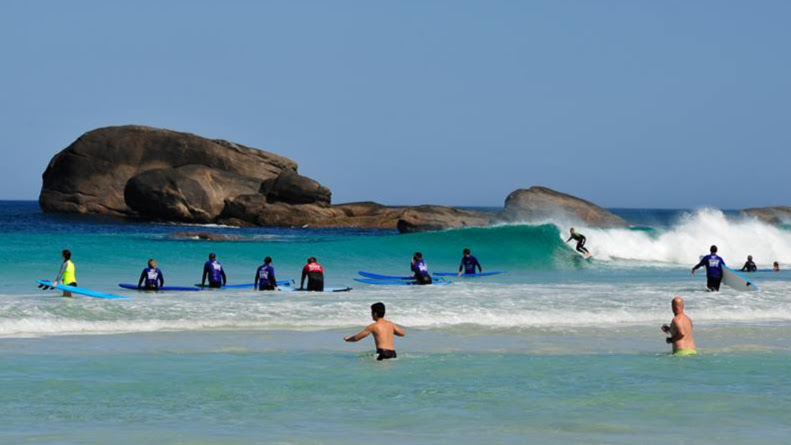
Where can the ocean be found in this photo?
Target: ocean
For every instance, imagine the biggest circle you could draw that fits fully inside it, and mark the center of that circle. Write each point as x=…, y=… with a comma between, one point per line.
x=558, y=349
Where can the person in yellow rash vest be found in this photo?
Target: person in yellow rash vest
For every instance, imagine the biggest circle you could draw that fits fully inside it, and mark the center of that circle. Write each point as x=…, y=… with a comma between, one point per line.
x=680, y=330
x=67, y=274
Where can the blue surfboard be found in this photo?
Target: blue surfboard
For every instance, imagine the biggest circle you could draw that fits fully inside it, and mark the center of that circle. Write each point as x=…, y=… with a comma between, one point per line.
x=163, y=288
x=398, y=282
x=326, y=289
x=80, y=290
x=242, y=286
x=468, y=275
x=376, y=276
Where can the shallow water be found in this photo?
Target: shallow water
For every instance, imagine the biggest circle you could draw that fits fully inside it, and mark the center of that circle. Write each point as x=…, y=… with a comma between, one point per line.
x=557, y=350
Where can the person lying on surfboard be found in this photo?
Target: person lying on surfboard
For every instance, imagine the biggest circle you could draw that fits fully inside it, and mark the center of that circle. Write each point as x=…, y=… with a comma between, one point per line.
x=580, y=239
x=469, y=263
x=152, y=277
x=67, y=274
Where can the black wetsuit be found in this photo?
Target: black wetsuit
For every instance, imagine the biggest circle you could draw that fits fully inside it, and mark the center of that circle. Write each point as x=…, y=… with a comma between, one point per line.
x=385, y=354
x=749, y=266
x=580, y=239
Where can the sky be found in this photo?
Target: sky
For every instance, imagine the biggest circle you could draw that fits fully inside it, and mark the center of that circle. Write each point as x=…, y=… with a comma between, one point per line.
x=645, y=104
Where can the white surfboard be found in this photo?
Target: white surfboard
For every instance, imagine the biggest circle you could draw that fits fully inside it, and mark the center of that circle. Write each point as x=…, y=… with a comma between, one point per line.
x=733, y=279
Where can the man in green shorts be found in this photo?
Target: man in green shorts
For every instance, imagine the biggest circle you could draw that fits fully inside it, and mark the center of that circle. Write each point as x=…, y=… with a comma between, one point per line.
x=680, y=330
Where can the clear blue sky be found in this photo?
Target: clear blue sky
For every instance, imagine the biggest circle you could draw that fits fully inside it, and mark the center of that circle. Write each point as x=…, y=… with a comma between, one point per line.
x=625, y=103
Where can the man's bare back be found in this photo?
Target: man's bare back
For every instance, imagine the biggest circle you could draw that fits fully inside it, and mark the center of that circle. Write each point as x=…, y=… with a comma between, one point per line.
x=383, y=332
x=680, y=329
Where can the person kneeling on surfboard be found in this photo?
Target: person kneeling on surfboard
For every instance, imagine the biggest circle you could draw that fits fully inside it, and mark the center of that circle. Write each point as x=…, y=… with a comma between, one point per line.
x=680, y=330
x=580, y=239
x=265, y=276
x=152, y=277
x=420, y=269
x=383, y=331
x=749, y=266
x=713, y=265
x=67, y=274
x=213, y=270
x=469, y=263
x=315, y=275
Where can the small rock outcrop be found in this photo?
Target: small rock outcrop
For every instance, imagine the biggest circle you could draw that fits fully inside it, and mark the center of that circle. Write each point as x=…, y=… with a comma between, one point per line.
x=778, y=215
x=428, y=217
x=541, y=204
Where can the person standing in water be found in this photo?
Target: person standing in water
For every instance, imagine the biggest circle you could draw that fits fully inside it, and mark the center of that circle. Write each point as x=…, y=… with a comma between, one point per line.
x=383, y=331
x=580, y=239
x=749, y=265
x=152, y=277
x=680, y=330
x=713, y=265
x=265, y=276
x=67, y=274
x=314, y=272
x=420, y=269
x=469, y=263
x=776, y=267
x=213, y=270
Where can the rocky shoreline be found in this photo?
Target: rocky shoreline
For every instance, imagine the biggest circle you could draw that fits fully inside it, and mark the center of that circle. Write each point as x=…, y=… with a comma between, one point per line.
x=163, y=175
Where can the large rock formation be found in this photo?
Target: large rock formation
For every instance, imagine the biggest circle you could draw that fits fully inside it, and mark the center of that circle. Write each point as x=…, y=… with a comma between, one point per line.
x=778, y=215
x=157, y=174
x=542, y=204
x=167, y=175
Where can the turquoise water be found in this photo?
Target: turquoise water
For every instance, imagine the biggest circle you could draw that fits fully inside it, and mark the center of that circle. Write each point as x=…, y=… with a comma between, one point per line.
x=557, y=350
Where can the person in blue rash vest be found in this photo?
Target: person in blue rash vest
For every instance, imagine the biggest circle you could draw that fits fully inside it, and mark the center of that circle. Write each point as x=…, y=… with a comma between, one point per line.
x=151, y=278
x=713, y=265
x=469, y=263
x=265, y=276
x=419, y=269
x=213, y=270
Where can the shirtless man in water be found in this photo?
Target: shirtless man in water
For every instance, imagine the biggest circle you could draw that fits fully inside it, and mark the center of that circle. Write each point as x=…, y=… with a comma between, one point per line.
x=383, y=331
x=680, y=330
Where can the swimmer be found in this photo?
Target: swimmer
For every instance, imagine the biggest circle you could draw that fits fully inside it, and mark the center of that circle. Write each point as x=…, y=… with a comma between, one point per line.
x=383, y=331
x=680, y=330
x=152, y=277
x=776, y=267
x=749, y=265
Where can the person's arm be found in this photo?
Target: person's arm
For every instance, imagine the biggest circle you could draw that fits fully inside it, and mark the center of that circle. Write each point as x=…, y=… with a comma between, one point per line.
x=398, y=331
x=224, y=279
x=302, y=280
x=60, y=273
x=461, y=266
x=205, y=274
x=359, y=336
x=478, y=264
x=256, y=279
x=744, y=268
x=675, y=332
x=570, y=238
x=142, y=277
x=273, y=278
x=699, y=265
x=161, y=279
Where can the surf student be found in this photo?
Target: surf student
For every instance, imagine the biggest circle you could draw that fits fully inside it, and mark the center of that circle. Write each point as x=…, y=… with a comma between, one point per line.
x=469, y=263
x=265, y=276
x=68, y=272
x=151, y=276
x=383, y=332
x=775, y=267
x=420, y=269
x=680, y=330
x=749, y=266
x=315, y=275
x=580, y=239
x=213, y=270
x=713, y=265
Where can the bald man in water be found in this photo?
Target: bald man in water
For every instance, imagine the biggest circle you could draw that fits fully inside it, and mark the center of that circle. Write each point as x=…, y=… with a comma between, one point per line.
x=680, y=330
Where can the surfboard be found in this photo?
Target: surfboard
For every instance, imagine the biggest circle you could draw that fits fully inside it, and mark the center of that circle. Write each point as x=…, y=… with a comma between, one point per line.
x=163, y=288
x=326, y=289
x=378, y=277
x=733, y=279
x=399, y=282
x=242, y=286
x=80, y=290
x=468, y=275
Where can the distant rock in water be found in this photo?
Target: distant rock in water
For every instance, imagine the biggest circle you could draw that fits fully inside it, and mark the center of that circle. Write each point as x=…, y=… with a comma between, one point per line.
x=163, y=175
x=205, y=236
x=779, y=215
x=541, y=204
